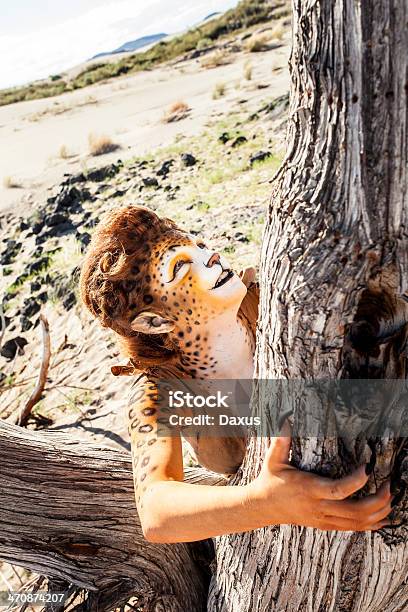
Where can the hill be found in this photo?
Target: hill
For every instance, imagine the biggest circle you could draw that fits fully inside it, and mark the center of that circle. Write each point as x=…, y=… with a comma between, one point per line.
x=210, y=16
x=199, y=39
x=133, y=45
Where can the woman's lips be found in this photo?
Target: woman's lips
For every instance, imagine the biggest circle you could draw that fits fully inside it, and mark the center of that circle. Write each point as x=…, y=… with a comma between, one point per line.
x=223, y=278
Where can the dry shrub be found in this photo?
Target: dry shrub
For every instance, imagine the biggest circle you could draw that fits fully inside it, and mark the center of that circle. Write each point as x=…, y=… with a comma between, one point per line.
x=218, y=58
x=177, y=111
x=99, y=144
x=219, y=91
x=10, y=183
x=257, y=42
x=248, y=71
x=63, y=152
x=204, y=43
x=278, y=31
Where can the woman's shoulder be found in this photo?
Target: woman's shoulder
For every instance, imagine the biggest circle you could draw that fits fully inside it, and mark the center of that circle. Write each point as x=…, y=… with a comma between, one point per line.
x=138, y=385
x=150, y=383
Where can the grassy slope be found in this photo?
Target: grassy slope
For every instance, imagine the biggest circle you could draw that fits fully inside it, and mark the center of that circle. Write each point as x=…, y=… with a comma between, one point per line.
x=245, y=15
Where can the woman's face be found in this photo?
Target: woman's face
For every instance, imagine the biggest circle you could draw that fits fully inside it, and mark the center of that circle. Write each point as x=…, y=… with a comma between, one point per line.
x=192, y=279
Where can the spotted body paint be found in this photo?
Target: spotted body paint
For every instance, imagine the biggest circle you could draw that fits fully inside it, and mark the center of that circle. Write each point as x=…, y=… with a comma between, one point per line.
x=179, y=312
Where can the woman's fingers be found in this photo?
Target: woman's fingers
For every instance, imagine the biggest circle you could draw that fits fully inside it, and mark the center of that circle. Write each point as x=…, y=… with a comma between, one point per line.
x=278, y=453
x=359, y=522
x=326, y=488
x=333, y=525
x=248, y=276
x=359, y=508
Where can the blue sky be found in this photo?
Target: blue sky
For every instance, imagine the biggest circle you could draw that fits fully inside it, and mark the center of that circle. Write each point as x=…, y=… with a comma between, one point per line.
x=43, y=37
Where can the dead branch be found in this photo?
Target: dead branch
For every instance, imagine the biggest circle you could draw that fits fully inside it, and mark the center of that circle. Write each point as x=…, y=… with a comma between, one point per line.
x=68, y=512
x=42, y=377
x=2, y=325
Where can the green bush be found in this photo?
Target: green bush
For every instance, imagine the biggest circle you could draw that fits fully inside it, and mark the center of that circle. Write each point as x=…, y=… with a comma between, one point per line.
x=203, y=43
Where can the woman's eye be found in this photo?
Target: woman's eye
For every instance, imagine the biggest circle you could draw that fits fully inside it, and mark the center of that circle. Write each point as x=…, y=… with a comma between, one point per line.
x=201, y=245
x=178, y=266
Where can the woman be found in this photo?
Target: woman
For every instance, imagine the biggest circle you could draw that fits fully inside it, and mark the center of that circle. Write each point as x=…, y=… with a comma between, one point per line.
x=179, y=312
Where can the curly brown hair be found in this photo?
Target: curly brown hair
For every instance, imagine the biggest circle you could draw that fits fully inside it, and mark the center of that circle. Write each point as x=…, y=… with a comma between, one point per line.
x=115, y=269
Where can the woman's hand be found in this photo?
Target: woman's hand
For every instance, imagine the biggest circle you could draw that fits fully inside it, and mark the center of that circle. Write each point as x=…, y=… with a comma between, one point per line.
x=282, y=494
x=248, y=276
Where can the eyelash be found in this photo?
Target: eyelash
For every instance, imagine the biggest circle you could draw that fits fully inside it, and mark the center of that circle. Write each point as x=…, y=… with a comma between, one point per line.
x=179, y=265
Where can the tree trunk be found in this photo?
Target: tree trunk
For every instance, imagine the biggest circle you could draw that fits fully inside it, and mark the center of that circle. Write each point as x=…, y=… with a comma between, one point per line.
x=68, y=512
x=333, y=273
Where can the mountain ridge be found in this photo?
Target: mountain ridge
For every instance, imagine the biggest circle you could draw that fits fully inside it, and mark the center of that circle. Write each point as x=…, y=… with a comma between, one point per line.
x=133, y=45
x=143, y=41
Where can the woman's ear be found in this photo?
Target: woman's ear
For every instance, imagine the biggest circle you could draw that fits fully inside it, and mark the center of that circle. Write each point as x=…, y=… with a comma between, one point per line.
x=151, y=323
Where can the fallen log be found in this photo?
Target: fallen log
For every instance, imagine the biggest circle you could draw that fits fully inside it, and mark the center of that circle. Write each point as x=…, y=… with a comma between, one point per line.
x=68, y=512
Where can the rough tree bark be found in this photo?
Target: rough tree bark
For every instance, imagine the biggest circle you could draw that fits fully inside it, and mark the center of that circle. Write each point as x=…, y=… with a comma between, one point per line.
x=334, y=268
x=68, y=512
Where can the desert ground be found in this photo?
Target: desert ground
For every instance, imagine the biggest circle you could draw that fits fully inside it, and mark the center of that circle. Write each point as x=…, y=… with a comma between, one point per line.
x=43, y=139
x=210, y=169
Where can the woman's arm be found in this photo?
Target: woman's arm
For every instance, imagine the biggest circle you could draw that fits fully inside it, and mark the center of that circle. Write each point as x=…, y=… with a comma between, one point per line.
x=181, y=512
x=173, y=511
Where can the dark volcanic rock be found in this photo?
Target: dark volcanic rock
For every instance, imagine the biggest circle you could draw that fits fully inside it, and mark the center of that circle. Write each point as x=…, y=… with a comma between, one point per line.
x=38, y=265
x=12, y=248
x=260, y=156
x=6, y=259
x=56, y=230
x=118, y=193
x=30, y=307
x=165, y=168
x=62, y=228
x=69, y=301
x=35, y=286
x=69, y=199
x=91, y=222
x=56, y=219
x=150, y=181
x=71, y=179
x=42, y=297
x=224, y=138
x=103, y=173
x=241, y=237
x=37, y=227
x=188, y=160
x=239, y=141
x=11, y=347
x=84, y=238
x=25, y=324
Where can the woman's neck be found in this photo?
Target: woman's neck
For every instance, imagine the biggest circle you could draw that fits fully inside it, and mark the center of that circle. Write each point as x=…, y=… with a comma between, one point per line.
x=224, y=349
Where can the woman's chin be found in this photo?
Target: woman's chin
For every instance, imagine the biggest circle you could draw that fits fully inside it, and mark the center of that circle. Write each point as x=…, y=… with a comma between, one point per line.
x=233, y=291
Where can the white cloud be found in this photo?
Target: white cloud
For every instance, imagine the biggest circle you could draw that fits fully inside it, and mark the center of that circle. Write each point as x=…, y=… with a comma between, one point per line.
x=54, y=49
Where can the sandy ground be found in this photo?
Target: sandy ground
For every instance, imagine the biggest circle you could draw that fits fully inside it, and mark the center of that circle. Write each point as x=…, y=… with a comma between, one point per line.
x=129, y=110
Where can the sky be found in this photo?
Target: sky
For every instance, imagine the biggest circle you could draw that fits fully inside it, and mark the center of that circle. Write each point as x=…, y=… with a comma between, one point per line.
x=39, y=38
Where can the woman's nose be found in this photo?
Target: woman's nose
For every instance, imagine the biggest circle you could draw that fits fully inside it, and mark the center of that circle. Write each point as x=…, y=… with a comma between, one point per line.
x=214, y=259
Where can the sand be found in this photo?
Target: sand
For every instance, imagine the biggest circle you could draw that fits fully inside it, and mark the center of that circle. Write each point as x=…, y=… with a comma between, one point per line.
x=129, y=110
